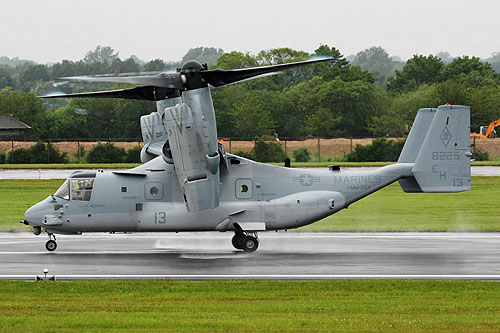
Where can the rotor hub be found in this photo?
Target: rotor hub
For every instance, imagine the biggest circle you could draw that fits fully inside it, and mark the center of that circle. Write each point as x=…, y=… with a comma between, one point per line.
x=191, y=72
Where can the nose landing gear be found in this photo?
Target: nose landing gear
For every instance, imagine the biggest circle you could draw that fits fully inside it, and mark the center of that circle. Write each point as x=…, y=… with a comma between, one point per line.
x=246, y=241
x=51, y=244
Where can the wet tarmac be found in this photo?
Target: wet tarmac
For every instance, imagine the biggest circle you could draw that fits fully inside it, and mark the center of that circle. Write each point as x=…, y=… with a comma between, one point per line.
x=296, y=256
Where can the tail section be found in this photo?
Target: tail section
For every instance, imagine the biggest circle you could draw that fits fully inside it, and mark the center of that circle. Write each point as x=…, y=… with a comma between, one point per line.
x=417, y=135
x=413, y=144
x=441, y=151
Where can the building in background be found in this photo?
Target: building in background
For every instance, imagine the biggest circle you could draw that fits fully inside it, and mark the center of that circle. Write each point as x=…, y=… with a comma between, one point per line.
x=12, y=129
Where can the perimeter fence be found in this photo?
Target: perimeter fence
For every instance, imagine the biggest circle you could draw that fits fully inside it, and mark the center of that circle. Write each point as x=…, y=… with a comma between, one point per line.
x=320, y=148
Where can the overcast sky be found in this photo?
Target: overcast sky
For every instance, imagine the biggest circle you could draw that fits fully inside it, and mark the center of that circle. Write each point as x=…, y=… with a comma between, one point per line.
x=52, y=30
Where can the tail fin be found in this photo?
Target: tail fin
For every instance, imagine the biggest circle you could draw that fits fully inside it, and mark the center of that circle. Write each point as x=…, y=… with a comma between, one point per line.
x=442, y=163
x=417, y=135
x=413, y=144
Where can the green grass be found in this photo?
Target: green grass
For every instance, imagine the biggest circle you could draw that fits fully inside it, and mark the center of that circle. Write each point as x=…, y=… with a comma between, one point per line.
x=16, y=196
x=345, y=305
x=71, y=166
x=486, y=163
x=311, y=164
x=389, y=209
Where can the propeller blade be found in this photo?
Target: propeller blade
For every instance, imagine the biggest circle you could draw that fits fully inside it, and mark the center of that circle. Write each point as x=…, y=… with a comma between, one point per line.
x=147, y=93
x=221, y=77
x=192, y=76
x=164, y=80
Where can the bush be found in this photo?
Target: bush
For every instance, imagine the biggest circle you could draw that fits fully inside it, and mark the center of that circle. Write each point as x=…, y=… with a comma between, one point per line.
x=133, y=155
x=268, y=149
x=479, y=155
x=106, y=153
x=302, y=155
x=47, y=153
x=19, y=156
x=381, y=150
x=2, y=157
x=38, y=153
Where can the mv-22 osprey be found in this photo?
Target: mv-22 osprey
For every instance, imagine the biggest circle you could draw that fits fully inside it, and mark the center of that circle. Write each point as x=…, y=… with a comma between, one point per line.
x=188, y=182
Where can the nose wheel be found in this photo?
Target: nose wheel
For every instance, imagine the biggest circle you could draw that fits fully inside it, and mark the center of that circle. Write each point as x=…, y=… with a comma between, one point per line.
x=246, y=241
x=51, y=244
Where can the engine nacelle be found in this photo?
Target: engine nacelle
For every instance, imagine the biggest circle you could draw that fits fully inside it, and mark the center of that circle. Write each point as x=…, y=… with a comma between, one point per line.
x=194, y=149
x=153, y=127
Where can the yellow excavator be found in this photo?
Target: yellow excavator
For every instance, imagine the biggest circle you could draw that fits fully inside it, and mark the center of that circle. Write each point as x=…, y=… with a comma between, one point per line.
x=487, y=132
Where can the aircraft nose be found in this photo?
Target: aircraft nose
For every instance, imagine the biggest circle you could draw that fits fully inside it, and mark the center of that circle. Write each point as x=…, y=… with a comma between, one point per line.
x=30, y=215
x=34, y=215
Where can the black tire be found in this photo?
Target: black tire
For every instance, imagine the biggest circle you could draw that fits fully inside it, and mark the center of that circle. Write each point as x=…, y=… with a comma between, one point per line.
x=250, y=244
x=51, y=245
x=237, y=241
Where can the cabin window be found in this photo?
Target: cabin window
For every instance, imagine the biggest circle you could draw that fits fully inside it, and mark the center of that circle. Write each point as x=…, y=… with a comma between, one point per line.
x=124, y=189
x=244, y=189
x=153, y=191
x=81, y=189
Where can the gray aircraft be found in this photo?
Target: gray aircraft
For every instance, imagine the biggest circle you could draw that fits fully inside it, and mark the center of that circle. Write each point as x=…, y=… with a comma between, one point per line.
x=188, y=182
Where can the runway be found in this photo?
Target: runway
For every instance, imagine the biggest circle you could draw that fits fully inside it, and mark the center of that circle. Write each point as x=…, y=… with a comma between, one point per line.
x=283, y=256
x=63, y=174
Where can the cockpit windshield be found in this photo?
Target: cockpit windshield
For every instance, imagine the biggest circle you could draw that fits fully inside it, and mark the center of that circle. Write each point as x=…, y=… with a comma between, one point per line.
x=78, y=187
x=63, y=191
x=81, y=189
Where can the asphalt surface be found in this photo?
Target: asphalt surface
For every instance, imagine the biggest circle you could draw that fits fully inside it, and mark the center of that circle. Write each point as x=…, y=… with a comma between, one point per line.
x=63, y=174
x=295, y=256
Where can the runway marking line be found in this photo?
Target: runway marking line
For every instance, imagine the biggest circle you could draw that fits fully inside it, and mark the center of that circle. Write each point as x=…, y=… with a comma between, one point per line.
x=402, y=235
x=262, y=277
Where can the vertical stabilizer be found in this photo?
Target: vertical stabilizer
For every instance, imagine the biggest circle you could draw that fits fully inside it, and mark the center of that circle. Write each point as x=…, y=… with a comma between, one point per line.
x=443, y=162
x=413, y=145
x=417, y=135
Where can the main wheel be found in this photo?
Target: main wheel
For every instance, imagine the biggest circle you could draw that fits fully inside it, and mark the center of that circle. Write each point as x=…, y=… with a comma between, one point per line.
x=250, y=244
x=237, y=241
x=51, y=245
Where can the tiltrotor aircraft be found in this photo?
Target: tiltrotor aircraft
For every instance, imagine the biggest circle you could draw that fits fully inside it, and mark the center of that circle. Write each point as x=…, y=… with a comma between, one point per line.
x=188, y=182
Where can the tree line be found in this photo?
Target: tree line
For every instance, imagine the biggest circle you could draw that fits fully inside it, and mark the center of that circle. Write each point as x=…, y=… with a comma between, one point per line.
x=370, y=95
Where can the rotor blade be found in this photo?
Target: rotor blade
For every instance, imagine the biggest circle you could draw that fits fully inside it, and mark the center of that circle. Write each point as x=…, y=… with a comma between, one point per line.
x=250, y=78
x=220, y=77
x=164, y=80
x=146, y=93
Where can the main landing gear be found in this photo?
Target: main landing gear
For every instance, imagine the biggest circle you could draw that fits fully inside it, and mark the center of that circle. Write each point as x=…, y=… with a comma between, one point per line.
x=246, y=241
x=51, y=244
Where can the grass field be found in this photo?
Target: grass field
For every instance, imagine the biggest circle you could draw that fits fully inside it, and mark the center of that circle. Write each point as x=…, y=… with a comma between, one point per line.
x=357, y=305
x=389, y=209
x=71, y=166
x=16, y=196
x=311, y=164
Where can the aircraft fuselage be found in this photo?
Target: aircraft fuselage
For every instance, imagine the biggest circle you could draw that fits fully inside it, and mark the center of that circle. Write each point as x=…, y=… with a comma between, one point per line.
x=255, y=196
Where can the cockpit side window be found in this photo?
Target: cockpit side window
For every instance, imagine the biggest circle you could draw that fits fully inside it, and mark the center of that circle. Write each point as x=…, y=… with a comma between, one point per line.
x=63, y=191
x=81, y=189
